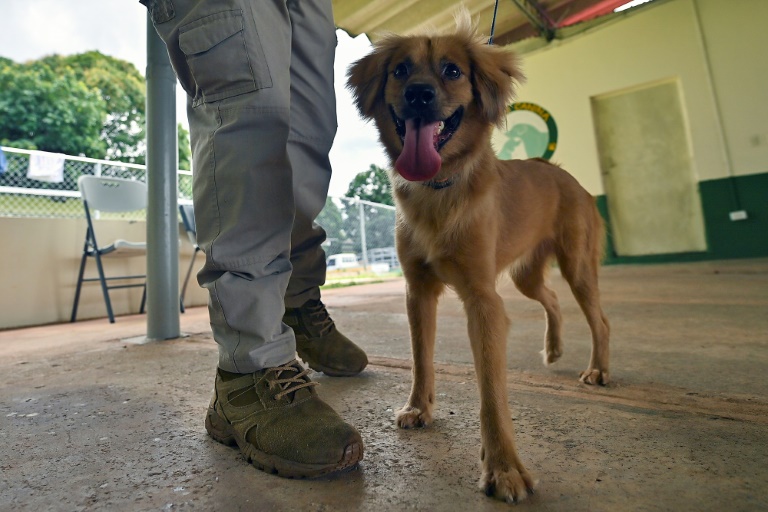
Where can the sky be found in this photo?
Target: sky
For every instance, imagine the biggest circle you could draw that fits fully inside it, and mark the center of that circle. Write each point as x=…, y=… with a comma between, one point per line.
x=34, y=28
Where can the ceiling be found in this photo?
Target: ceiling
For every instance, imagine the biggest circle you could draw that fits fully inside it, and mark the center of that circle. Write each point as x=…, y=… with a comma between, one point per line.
x=515, y=19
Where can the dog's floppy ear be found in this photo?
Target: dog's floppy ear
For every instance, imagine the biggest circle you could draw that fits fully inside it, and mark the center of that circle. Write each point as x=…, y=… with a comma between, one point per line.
x=367, y=77
x=494, y=75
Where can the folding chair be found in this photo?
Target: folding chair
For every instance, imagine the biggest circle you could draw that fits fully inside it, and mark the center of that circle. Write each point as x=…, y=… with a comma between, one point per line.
x=110, y=195
x=188, y=220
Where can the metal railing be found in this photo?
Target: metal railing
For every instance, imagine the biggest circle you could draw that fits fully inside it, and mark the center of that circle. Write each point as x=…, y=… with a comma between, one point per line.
x=351, y=225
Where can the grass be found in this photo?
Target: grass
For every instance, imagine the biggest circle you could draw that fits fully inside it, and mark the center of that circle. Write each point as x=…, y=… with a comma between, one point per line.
x=47, y=208
x=341, y=279
x=345, y=284
x=39, y=206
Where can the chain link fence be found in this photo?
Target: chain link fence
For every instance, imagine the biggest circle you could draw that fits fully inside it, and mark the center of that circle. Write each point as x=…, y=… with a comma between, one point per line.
x=44, y=185
x=352, y=226
x=361, y=227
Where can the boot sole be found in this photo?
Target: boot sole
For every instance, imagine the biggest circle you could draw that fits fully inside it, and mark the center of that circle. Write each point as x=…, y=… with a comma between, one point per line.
x=220, y=430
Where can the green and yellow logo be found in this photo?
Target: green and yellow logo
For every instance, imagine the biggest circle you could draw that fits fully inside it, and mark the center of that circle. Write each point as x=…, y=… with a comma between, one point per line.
x=531, y=132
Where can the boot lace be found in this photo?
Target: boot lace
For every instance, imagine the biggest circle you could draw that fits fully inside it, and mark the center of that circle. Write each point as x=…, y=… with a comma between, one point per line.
x=290, y=378
x=319, y=317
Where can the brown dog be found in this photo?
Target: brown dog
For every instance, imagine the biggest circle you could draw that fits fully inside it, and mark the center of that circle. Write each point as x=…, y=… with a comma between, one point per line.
x=464, y=217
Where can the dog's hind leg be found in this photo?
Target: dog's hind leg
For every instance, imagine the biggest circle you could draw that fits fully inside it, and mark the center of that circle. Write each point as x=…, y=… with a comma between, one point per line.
x=529, y=276
x=422, y=291
x=580, y=270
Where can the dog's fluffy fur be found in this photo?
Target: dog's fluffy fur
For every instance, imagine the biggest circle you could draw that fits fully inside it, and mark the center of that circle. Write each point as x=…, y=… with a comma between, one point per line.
x=474, y=219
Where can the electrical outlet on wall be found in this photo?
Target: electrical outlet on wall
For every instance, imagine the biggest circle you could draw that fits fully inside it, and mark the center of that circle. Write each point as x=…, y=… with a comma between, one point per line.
x=738, y=215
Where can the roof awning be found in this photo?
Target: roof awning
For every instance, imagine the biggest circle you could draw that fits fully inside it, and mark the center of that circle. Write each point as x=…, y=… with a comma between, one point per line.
x=515, y=19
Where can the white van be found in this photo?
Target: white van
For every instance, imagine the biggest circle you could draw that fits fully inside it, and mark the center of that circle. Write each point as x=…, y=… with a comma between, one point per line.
x=341, y=261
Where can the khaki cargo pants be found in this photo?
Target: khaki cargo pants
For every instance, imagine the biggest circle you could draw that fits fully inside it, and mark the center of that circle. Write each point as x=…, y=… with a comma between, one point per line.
x=262, y=118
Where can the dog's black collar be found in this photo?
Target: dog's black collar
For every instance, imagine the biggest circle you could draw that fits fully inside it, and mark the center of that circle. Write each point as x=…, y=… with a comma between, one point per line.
x=437, y=185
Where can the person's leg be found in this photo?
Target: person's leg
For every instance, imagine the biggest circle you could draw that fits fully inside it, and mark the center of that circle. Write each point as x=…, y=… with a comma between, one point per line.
x=242, y=187
x=312, y=130
x=239, y=119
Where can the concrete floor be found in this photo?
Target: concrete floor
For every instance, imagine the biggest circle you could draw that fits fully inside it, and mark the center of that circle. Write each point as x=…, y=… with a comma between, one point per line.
x=91, y=421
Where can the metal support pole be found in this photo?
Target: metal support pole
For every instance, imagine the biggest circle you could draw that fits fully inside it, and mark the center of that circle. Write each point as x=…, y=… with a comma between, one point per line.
x=363, y=240
x=162, y=218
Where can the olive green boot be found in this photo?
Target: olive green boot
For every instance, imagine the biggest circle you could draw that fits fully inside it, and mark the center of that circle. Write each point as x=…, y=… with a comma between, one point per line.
x=320, y=344
x=280, y=424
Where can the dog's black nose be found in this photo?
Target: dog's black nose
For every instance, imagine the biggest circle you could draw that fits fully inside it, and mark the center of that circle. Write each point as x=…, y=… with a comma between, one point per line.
x=419, y=96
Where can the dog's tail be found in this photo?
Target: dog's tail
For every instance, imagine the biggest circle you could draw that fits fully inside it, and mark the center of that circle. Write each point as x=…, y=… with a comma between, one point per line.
x=599, y=236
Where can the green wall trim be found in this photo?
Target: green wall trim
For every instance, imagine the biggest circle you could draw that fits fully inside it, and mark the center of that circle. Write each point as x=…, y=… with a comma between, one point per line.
x=726, y=239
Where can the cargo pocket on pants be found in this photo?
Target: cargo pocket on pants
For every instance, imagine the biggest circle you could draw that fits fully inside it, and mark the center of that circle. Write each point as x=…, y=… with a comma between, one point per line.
x=160, y=10
x=223, y=61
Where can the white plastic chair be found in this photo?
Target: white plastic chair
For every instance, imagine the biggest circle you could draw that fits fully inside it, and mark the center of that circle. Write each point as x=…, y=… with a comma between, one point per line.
x=110, y=195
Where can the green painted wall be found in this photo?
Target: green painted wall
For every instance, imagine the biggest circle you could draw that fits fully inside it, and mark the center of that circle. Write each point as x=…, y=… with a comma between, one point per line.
x=741, y=239
x=725, y=238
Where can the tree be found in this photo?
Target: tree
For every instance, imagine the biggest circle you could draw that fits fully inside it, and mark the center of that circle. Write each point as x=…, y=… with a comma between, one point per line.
x=50, y=110
x=185, y=151
x=122, y=90
x=87, y=104
x=331, y=220
x=372, y=185
x=379, y=226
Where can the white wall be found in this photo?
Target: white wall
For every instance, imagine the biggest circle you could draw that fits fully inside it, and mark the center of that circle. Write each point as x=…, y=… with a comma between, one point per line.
x=663, y=41
x=737, y=42
x=40, y=261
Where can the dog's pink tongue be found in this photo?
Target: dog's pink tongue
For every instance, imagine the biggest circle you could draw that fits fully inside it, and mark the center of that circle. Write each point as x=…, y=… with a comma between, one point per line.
x=419, y=160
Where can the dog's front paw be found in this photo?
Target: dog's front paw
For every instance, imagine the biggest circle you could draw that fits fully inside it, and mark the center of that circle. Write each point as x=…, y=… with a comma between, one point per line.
x=594, y=377
x=413, y=417
x=512, y=484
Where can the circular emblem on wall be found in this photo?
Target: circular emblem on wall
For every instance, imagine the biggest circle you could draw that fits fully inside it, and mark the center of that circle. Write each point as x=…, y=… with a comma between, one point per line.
x=531, y=132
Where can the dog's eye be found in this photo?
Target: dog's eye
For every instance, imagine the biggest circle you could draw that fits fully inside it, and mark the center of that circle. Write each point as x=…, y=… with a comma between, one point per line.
x=451, y=71
x=401, y=70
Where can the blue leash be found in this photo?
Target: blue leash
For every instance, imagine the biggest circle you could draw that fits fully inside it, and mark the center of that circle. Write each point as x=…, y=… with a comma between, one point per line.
x=493, y=23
